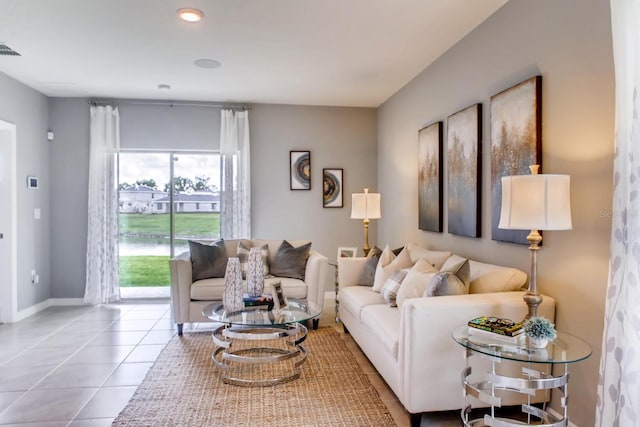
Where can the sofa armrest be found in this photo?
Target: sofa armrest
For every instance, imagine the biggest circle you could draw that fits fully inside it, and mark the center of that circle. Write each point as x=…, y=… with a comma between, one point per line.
x=181, y=280
x=429, y=358
x=349, y=271
x=316, y=276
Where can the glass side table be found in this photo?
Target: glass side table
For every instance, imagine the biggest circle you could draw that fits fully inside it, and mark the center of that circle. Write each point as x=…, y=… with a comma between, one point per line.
x=563, y=350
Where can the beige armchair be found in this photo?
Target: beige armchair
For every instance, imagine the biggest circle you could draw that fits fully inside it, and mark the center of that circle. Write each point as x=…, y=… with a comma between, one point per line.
x=189, y=297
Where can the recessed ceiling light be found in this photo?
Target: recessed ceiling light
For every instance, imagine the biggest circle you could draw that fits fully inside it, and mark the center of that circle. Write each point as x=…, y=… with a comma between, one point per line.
x=207, y=63
x=163, y=86
x=190, y=15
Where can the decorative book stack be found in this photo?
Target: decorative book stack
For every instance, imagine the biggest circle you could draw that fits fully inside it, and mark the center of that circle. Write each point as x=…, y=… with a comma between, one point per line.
x=263, y=301
x=494, y=328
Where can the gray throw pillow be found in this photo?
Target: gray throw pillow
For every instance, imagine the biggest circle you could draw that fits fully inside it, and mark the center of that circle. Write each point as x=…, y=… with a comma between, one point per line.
x=208, y=261
x=451, y=280
x=369, y=270
x=289, y=261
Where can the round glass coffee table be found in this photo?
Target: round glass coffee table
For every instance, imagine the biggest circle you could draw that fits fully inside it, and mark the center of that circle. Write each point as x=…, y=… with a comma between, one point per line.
x=260, y=347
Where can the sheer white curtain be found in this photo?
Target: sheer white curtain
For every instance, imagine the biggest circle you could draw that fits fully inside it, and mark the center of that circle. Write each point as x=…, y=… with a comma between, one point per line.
x=619, y=385
x=235, y=182
x=103, y=278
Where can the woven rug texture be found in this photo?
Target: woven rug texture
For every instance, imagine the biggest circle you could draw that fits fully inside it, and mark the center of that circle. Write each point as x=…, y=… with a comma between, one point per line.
x=183, y=389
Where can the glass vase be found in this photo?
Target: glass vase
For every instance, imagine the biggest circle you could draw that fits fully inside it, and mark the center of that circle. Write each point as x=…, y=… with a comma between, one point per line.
x=255, y=273
x=232, y=297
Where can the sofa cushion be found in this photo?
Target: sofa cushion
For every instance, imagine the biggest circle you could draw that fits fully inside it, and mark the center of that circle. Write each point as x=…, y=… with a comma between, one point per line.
x=389, y=263
x=436, y=258
x=494, y=278
x=212, y=289
x=208, y=290
x=369, y=269
x=390, y=289
x=414, y=285
x=354, y=298
x=243, y=253
x=208, y=261
x=289, y=261
x=384, y=322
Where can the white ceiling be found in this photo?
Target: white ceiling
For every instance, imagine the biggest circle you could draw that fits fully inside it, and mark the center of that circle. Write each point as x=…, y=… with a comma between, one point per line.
x=320, y=52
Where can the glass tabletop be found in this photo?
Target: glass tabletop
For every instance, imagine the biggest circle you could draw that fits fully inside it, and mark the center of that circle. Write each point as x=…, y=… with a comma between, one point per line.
x=564, y=349
x=296, y=311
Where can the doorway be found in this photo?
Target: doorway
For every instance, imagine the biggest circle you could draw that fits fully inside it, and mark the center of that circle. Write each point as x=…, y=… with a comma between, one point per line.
x=8, y=224
x=156, y=219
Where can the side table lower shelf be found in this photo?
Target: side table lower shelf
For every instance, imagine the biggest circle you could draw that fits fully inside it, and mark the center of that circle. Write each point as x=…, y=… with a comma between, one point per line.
x=490, y=388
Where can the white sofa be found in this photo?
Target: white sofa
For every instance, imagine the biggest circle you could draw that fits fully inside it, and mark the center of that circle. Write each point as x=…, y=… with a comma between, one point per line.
x=411, y=346
x=189, y=297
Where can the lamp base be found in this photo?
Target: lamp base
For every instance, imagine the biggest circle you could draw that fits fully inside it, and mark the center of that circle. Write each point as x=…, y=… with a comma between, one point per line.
x=366, y=248
x=532, y=298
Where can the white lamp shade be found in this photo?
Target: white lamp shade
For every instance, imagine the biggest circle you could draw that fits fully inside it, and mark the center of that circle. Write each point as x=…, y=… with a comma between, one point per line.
x=536, y=202
x=365, y=205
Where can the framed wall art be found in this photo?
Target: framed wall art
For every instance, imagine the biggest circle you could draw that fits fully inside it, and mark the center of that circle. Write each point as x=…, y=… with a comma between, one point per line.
x=464, y=136
x=516, y=125
x=430, y=177
x=347, y=252
x=332, y=188
x=300, y=170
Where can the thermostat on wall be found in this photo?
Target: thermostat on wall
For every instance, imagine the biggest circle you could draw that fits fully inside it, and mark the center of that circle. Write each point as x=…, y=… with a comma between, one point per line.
x=32, y=182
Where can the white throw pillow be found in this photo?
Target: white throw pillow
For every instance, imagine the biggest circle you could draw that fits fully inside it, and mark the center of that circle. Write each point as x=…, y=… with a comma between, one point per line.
x=387, y=264
x=416, y=281
x=437, y=258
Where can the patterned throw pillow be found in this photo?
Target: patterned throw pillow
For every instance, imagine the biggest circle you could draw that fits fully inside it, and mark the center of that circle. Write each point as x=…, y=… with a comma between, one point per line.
x=289, y=261
x=390, y=289
x=243, y=254
x=208, y=261
x=369, y=270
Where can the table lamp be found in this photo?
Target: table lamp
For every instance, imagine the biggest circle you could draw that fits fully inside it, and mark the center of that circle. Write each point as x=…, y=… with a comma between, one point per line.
x=365, y=206
x=535, y=202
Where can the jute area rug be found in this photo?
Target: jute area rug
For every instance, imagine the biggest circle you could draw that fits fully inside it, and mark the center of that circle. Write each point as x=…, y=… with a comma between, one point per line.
x=183, y=389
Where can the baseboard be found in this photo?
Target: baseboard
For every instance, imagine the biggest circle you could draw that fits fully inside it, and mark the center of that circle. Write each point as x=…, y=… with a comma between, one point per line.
x=30, y=311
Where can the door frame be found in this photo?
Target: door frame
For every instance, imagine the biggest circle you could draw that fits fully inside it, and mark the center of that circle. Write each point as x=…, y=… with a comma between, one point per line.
x=9, y=289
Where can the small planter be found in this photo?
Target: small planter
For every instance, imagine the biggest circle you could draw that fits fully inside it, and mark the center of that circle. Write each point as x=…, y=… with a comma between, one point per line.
x=540, y=331
x=538, y=342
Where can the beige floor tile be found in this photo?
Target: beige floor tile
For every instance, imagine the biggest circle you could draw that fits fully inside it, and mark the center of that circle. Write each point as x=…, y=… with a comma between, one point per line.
x=8, y=397
x=132, y=325
x=38, y=356
x=107, y=402
x=101, y=354
x=128, y=374
x=145, y=353
x=22, y=378
x=94, y=422
x=118, y=338
x=38, y=424
x=75, y=376
x=157, y=337
x=143, y=315
x=47, y=405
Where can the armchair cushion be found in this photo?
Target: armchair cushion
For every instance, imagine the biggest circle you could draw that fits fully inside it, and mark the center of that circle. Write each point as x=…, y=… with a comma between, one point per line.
x=208, y=261
x=289, y=261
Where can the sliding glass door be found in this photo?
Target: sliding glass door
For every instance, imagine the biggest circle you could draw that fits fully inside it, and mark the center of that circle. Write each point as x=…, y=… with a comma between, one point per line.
x=156, y=218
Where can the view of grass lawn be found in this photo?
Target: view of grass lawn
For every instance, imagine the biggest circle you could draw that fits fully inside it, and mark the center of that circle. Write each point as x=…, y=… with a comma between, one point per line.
x=197, y=225
x=140, y=231
x=144, y=271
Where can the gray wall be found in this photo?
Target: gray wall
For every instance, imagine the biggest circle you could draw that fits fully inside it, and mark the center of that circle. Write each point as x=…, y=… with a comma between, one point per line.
x=337, y=137
x=569, y=44
x=27, y=109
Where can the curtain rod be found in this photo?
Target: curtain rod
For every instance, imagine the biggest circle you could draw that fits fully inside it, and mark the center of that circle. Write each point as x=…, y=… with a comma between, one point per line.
x=171, y=104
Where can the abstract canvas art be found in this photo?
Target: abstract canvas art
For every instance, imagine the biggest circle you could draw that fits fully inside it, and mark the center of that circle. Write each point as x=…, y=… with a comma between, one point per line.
x=515, y=144
x=300, y=169
x=430, y=177
x=332, y=194
x=464, y=133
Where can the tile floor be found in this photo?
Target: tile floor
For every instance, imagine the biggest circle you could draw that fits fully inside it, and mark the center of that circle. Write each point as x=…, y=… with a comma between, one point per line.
x=79, y=366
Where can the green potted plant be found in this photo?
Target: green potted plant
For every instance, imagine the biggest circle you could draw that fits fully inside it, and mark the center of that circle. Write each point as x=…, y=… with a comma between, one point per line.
x=540, y=331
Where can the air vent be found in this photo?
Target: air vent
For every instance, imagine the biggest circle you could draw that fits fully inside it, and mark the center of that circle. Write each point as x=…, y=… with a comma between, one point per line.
x=7, y=51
